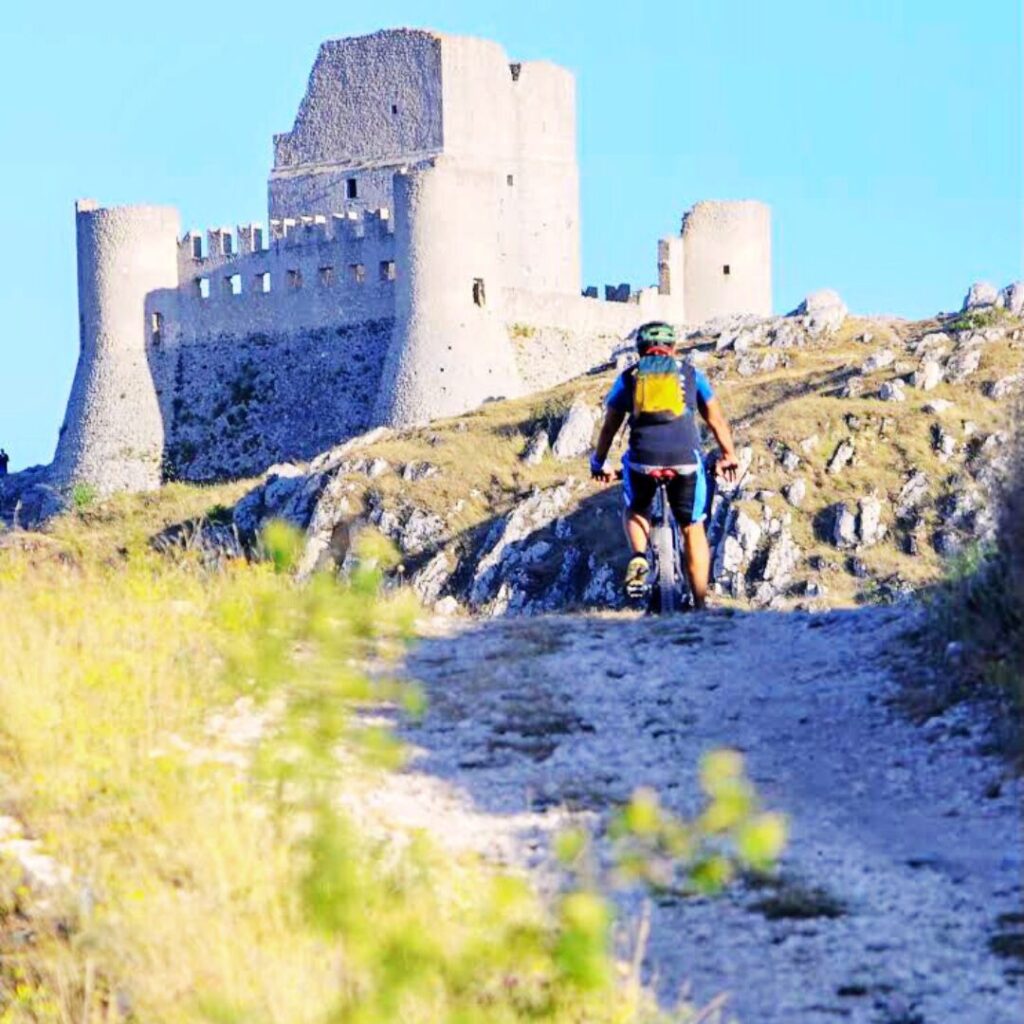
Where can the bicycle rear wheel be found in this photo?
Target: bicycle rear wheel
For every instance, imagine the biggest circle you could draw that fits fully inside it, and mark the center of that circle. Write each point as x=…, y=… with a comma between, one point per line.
x=666, y=587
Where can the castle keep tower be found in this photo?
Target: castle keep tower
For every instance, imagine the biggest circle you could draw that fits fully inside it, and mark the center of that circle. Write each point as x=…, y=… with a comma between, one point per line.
x=113, y=435
x=422, y=257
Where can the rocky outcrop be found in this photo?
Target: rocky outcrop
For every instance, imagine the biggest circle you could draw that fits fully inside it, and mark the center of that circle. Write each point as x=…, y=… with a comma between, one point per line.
x=576, y=433
x=822, y=311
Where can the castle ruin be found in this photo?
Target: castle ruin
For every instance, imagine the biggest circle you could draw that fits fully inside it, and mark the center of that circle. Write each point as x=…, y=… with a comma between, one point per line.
x=422, y=257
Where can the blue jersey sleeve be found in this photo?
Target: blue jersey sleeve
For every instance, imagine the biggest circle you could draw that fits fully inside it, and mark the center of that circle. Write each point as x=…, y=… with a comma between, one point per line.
x=704, y=388
x=620, y=398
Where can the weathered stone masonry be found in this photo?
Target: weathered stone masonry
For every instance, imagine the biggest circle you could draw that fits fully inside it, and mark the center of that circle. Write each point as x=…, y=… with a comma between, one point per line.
x=422, y=257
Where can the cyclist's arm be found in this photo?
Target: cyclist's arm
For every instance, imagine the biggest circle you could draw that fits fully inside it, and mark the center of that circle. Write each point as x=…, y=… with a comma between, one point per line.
x=714, y=416
x=612, y=421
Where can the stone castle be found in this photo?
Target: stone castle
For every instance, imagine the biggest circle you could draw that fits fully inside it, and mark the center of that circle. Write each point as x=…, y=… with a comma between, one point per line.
x=423, y=256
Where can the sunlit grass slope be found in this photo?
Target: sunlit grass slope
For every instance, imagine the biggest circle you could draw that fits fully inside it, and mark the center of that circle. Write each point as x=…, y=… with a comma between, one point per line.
x=211, y=885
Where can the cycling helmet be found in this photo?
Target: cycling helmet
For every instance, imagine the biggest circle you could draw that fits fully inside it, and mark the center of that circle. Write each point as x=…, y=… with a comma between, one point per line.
x=655, y=334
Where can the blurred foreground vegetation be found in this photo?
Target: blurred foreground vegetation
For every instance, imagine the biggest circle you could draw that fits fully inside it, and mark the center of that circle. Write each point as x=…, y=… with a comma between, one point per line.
x=217, y=878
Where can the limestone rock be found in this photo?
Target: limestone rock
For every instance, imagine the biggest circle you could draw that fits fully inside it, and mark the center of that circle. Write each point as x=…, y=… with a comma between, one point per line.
x=1004, y=387
x=878, y=360
x=937, y=406
x=892, y=391
x=933, y=344
x=502, y=544
x=927, y=376
x=414, y=471
x=822, y=311
x=747, y=366
x=537, y=447
x=912, y=495
x=1013, y=298
x=843, y=529
x=576, y=432
x=783, y=557
x=795, y=492
x=870, y=528
x=962, y=365
x=787, y=335
x=981, y=293
x=840, y=457
x=420, y=532
x=432, y=578
x=853, y=387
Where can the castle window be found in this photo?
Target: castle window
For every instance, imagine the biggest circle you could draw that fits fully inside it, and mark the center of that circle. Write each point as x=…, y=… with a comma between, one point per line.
x=294, y=279
x=234, y=284
x=510, y=180
x=156, y=328
x=352, y=188
x=358, y=272
x=726, y=270
x=197, y=247
x=226, y=244
x=394, y=108
x=261, y=283
x=479, y=295
x=516, y=70
x=387, y=270
x=203, y=287
x=326, y=276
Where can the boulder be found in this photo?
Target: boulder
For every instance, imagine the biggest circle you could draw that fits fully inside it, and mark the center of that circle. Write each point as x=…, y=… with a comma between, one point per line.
x=1004, y=387
x=822, y=311
x=870, y=528
x=980, y=294
x=928, y=375
x=912, y=495
x=747, y=366
x=1013, y=298
x=537, y=447
x=782, y=560
x=795, y=492
x=843, y=528
x=576, y=432
x=840, y=457
x=937, y=406
x=414, y=471
x=430, y=580
x=878, y=360
x=962, y=365
x=892, y=391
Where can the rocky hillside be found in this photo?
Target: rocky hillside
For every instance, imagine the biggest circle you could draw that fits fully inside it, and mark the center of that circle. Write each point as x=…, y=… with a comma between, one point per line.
x=868, y=447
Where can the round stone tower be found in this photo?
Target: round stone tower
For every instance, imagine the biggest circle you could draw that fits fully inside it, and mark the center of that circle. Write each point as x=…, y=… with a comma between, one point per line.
x=727, y=252
x=450, y=350
x=113, y=433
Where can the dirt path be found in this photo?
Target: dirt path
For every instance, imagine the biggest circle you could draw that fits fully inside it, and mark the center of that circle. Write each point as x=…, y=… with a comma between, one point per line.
x=907, y=834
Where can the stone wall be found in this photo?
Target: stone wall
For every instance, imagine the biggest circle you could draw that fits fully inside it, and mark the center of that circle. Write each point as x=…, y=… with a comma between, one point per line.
x=234, y=404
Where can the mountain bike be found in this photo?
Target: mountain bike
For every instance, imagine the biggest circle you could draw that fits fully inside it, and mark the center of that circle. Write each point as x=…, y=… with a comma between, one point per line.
x=667, y=588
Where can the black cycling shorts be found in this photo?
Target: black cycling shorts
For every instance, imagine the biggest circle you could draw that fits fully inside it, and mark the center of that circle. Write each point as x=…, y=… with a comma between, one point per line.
x=687, y=494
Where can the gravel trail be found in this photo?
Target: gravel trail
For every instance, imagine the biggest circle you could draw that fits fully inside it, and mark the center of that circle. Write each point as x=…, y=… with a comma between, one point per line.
x=904, y=865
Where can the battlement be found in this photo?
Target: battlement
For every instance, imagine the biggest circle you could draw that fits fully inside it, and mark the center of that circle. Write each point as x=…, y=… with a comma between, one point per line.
x=222, y=245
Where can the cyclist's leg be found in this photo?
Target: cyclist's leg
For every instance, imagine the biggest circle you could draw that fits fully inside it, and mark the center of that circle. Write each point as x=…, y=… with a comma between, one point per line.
x=638, y=491
x=687, y=495
x=698, y=562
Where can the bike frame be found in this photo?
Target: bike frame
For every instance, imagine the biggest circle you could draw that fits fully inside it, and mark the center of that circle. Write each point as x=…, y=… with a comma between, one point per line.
x=669, y=589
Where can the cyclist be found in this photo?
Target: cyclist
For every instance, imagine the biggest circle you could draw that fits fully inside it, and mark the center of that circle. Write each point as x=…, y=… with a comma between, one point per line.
x=661, y=398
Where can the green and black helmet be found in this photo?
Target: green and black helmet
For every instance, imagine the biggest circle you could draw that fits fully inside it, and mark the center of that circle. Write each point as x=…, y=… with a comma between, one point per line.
x=655, y=334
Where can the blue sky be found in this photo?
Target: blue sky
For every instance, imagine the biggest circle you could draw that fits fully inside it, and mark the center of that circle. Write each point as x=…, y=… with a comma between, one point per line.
x=885, y=135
